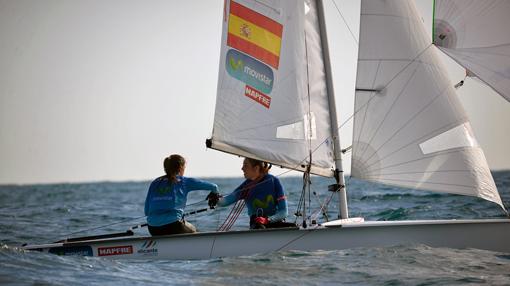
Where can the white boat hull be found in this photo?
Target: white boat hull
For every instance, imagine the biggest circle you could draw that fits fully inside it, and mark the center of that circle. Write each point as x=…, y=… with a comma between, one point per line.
x=491, y=235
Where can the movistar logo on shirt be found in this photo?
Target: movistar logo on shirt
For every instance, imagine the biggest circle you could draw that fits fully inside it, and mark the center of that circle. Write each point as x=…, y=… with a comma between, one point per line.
x=164, y=190
x=263, y=204
x=249, y=71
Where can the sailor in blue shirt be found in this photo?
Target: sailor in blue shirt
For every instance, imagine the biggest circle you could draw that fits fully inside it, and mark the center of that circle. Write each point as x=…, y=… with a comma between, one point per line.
x=167, y=196
x=263, y=195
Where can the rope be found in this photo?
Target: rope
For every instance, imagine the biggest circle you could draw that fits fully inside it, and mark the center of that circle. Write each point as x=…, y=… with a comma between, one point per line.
x=232, y=216
x=323, y=207
x=302, y=198
x=239, y=205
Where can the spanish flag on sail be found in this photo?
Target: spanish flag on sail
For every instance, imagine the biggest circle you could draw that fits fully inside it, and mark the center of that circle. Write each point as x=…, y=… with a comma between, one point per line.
x=254, y=34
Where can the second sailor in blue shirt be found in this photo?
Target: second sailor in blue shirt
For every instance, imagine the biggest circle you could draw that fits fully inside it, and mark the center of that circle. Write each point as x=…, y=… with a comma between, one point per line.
x=263, y=194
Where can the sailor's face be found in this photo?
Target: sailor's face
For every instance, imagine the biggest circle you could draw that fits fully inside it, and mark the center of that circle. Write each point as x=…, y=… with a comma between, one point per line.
x=249, y=171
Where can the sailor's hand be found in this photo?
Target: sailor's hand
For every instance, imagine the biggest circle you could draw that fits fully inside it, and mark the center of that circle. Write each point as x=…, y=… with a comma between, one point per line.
x=261, y=220
x=213, y=199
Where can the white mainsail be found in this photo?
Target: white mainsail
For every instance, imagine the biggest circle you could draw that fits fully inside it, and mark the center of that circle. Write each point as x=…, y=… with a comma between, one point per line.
x=272, y=101
x=410, y=129
x=475, y=34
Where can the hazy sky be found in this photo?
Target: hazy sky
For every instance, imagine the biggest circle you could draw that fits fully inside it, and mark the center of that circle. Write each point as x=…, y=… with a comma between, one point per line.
x=104, y=90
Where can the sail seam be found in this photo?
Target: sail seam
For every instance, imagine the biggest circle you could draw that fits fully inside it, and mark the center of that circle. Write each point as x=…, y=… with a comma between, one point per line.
x=407, y=123
x=482, y=47
x=425, y=183
x=410, y=62
x=270, y=140
x=386, y=85
x=425, y=172
x=427, y=157
x=449, y=191
x=390, y=81
x=392, y=16
x=278, y=123
x=445, y=128
x=388, y=60
x=401, y=92
x=466, y=58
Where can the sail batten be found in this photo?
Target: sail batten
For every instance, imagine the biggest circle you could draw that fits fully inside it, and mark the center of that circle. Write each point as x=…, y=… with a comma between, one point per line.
x=413, y=132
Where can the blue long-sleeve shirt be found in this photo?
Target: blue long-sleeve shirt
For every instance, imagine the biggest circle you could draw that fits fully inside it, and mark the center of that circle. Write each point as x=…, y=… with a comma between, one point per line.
x=166, y=201
x=265, y=198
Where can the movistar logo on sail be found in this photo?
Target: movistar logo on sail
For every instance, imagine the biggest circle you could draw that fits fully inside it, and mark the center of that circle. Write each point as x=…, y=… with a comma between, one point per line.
x=250, y=71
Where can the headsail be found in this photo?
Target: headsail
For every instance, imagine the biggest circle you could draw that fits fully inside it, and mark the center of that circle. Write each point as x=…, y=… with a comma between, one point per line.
x=272, y=102
x=410, y=129
x=475, y=34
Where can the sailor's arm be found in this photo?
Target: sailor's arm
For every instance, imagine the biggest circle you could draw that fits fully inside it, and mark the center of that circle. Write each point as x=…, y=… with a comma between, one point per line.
x=193, y=184
x=232, y=197
x=281, y=202
x=228, y=199
x=282, y=210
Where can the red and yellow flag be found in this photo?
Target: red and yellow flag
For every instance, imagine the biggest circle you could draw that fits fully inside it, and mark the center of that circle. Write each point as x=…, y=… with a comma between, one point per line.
x=254, y=34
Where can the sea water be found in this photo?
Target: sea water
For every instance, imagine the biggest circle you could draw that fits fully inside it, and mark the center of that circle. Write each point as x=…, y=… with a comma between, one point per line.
x=45, y=213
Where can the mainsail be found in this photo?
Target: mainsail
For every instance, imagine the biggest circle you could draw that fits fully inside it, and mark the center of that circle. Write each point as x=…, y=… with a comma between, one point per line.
x=475, y=34
x=410, y=129
x=272, y=102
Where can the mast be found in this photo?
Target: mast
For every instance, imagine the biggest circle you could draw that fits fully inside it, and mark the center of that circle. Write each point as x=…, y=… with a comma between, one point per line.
x=339, y=172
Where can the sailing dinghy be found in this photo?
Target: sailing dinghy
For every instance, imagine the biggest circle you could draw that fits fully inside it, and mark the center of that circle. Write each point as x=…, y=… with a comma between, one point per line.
x=276, y=103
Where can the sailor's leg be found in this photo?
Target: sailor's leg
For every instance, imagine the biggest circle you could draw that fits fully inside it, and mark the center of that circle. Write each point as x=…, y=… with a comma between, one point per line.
x=188, y=227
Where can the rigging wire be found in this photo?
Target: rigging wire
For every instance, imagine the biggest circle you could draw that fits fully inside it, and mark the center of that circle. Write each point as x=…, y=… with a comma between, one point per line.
x=302, y=200
x=345, y=22
x=323, y=207
x=232, y=216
